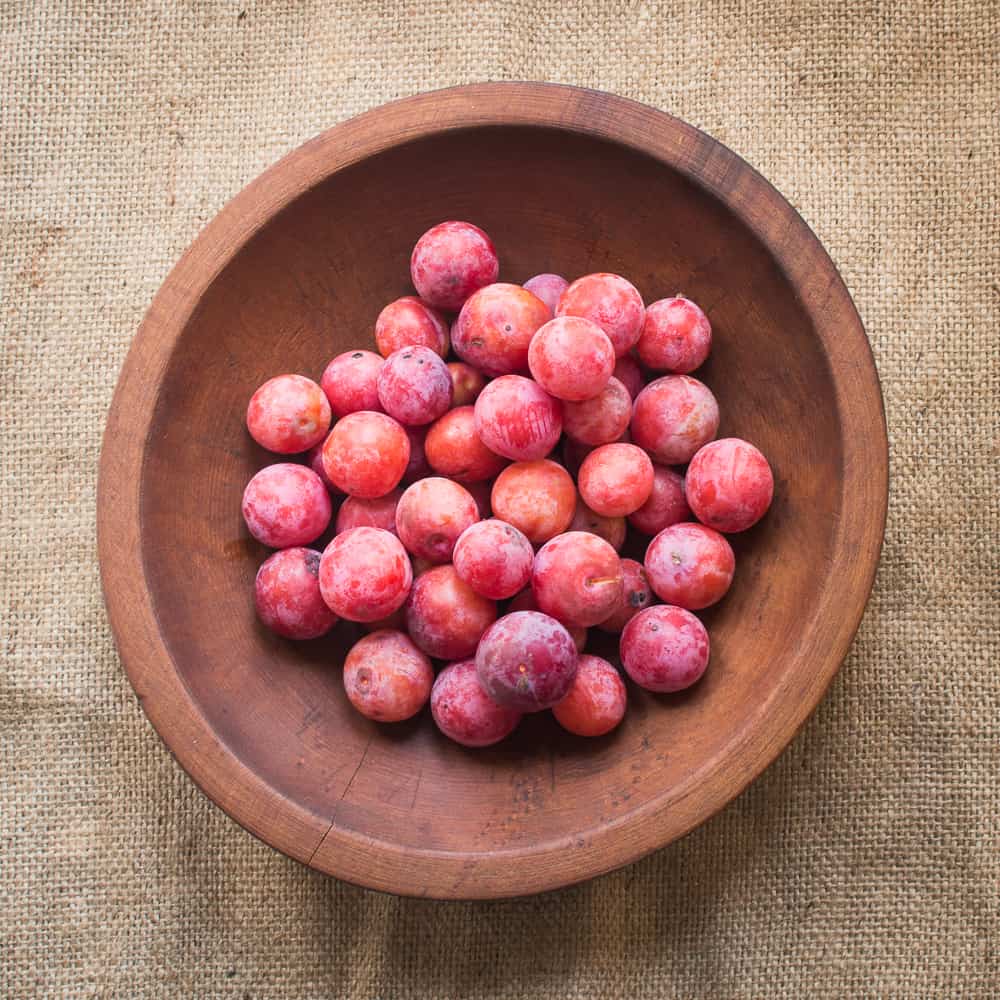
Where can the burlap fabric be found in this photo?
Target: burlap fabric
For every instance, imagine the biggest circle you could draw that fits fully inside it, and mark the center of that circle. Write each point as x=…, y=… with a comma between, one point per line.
x=865, y=862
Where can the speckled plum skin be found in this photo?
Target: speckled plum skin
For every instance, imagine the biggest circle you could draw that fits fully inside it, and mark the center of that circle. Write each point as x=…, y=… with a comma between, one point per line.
x=455, y=449
x=366, y=454
x=571, y=358
x=285, y=505
x=288, y=414
x=451, y=261
x=378, y=513
x=287, y=595
x=673, y=417
x=611, y=302
x=445, y=616
x=596, y=700
x=615, y=479
x=636, y=595
x=690, y=565
x=629, y=372
x=676, y=336
x=599, y=420
x=667, y=503
x=494, y=559
x=430, y=516
x=495, y=327
x=365, y=574
x=386, y=677
x=548, y=287
x=611, y=529
x=314, y=459
x=414, y=386
x=538, y=498
x=526, y=661
x=464, y=712
x=350, y=382
x=408, y=322
x=466, y=382
x=517, y=418
x=730, y=485
x=664, y=649
x=577, y=578
x=525, y=601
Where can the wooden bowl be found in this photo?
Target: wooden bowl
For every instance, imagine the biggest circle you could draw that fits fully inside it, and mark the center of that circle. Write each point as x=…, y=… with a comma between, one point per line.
x=294, y=270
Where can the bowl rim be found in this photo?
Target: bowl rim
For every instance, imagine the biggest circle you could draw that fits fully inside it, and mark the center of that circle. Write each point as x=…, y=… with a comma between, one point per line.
x=159, y=685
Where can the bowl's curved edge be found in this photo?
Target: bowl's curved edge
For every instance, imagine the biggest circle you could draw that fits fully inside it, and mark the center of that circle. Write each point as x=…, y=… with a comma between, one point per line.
x=316, y=840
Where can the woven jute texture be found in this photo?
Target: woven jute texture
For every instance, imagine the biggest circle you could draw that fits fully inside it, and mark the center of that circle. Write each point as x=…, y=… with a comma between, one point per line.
x=866, y=861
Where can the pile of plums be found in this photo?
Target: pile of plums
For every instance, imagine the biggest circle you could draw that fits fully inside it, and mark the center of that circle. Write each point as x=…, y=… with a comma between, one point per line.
x=482, y=502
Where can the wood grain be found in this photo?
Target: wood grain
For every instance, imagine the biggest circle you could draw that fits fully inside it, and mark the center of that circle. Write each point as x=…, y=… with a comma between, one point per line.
x=294, y=270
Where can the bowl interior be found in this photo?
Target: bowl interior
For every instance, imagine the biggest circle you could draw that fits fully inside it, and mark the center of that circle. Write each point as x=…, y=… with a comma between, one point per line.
x=309, y=285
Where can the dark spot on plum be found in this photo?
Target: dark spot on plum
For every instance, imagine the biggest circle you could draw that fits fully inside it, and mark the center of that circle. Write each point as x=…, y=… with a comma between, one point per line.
x=637, y=598
x=312, y=563
x=654, y=628
x=507, y=328
x=407, y=356
x=357, y=354
x=476, y=342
